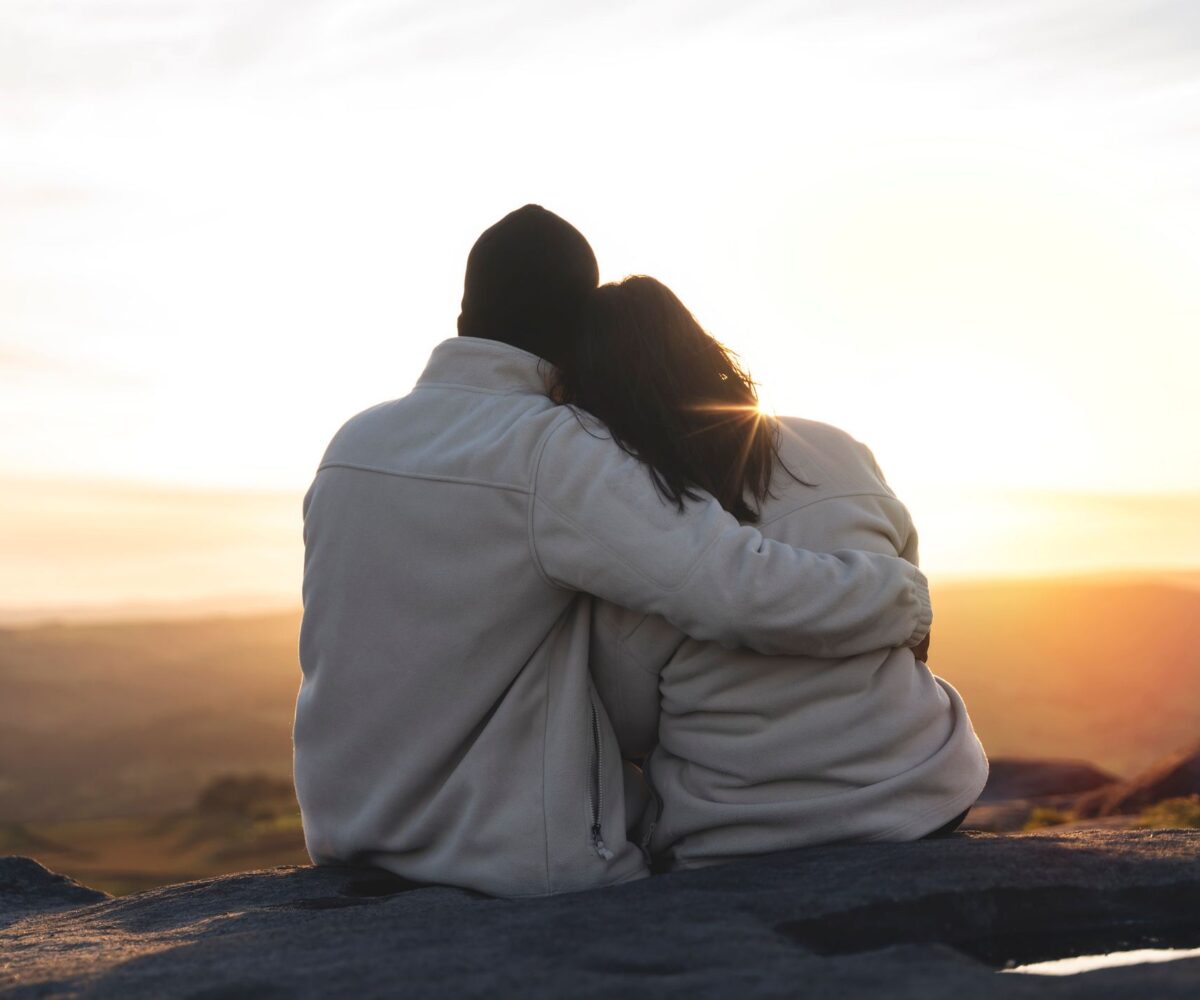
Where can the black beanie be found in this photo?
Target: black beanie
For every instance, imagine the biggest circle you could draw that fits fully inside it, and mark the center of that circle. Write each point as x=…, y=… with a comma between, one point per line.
x=527, y=278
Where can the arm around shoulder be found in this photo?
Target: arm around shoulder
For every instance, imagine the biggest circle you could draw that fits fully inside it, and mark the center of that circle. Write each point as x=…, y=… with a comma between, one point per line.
x=599, y=525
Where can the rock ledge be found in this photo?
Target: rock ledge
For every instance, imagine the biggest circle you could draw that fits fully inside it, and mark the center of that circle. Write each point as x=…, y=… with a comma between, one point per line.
x=933, y=918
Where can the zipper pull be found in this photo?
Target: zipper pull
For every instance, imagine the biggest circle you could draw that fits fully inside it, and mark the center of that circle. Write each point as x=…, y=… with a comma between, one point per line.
x=598, y=843
x=649, y=836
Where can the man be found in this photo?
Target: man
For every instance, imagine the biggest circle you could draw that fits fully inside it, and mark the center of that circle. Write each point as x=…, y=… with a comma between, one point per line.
x=446, y=727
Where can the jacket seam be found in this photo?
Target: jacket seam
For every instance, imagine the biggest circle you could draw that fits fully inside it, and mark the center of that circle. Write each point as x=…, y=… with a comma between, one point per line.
x=532, y=492
x=424, y=476
x=637, y=662
x=839, y=496
x=545, y=741
x=520, y=390
x=623, y=643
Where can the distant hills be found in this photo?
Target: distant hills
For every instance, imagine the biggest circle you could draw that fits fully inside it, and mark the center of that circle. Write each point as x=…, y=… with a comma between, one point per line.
x=136, y=718
x=1175, y=777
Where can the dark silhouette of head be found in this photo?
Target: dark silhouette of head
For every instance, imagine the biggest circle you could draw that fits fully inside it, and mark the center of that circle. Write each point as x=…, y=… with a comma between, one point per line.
x=671, y=395
x=527, y=278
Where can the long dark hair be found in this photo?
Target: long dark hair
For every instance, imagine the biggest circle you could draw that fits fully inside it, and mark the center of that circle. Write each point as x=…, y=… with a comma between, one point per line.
x=671, y=395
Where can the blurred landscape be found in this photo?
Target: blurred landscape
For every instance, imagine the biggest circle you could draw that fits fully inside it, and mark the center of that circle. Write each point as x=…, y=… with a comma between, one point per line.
x=139, y=753
x=111, y=734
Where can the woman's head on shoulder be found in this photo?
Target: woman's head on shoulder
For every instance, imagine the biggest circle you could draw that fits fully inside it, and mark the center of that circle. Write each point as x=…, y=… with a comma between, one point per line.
x=671, y=394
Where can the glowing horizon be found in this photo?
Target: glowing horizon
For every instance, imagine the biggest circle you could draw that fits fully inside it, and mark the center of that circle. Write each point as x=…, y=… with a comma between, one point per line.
x=970, y=237
x=78, y=547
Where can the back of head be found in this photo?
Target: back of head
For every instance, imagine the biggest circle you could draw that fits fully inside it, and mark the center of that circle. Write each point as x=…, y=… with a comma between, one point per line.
x=527, y=278
x=670, y=394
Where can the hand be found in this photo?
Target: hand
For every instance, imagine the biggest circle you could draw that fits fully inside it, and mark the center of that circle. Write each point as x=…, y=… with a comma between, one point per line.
x=921, y=650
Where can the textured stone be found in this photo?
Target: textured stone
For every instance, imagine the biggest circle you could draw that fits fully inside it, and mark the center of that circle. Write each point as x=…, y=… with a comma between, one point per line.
x=928, y=919
x=27, y=887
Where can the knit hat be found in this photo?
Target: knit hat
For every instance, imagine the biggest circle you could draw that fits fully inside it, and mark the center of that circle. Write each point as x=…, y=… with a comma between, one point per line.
x=527, y=278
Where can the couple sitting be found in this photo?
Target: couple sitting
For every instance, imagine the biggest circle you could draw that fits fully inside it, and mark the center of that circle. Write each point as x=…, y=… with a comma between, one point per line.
x=575, y=543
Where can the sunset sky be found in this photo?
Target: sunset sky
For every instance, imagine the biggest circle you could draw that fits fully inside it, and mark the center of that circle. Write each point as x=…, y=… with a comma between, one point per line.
x=967, y=232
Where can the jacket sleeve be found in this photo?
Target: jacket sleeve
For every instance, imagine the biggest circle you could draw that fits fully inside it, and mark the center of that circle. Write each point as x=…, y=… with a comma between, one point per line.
x=597, y=524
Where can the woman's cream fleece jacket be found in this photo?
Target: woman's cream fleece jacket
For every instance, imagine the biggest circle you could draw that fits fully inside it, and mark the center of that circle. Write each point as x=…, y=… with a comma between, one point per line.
x=764, y=753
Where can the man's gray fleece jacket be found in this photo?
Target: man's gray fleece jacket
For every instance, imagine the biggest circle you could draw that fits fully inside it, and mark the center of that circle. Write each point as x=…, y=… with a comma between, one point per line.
x=446, y=726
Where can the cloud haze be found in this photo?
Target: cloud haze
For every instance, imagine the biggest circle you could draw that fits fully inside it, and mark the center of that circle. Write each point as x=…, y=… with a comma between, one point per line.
x=255, y=214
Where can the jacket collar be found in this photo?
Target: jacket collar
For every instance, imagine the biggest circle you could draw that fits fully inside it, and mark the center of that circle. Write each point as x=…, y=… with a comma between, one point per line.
x=486, y=364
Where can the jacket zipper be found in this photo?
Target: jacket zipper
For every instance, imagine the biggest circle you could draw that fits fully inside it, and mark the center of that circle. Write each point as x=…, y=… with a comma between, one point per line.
x=658, y=809
x=597, y=789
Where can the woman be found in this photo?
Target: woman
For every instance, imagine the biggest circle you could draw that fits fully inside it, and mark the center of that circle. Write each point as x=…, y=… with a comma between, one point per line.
x=756, y=753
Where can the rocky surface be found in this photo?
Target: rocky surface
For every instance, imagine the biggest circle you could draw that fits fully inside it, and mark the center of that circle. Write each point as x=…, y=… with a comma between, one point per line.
x=929, y=919
x=26, y=888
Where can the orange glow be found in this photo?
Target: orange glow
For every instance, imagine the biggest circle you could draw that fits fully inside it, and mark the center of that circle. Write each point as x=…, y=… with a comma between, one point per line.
x=209, y=262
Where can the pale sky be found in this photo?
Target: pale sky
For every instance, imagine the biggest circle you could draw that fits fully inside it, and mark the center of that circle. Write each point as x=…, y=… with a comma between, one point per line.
x=968, y=232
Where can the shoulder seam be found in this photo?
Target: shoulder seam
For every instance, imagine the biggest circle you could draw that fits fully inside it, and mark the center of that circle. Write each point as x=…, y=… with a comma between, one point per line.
x=838, y=496
x=428, y=477
x=532, y=493
x=481, y=390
